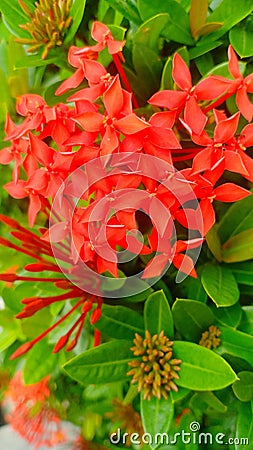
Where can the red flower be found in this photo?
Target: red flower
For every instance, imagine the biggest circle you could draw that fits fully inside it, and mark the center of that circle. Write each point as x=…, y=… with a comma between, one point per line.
x=224, y=149
x=117, y=118
x=184, y=99
x=32, y=416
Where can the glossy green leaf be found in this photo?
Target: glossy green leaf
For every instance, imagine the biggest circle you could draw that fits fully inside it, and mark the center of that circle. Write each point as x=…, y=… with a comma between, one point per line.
x=236, y=343
x=14, y=16
x=201, y=368
x=103, y=364
x=208, y=28
x=198, y=13
x=128, y=9
x=213, y=401
x=137, y=285
x=243, y=272
x=148, y=68
x=239, y=247
x=243, y=388
x=117, y=32
x=246, y=323
x=228, y=13
x=203, y=48
x=220, y=284
x=40, y=361
x=213, y=242
x=36, y=61
x=156, y=417
x=230, y=315
x=191, y=318
x=204, y=63
x=34, y=325
x=241, y=38
x=157, y=315
x=244, y=426
x=167, y=80
x=222, y=69
x=149, y=32
x=7, y=337
x=179, y=395
x=194, y=289
x=76, y=12
x=178, y=29
x=238, y=218
x=120, y=322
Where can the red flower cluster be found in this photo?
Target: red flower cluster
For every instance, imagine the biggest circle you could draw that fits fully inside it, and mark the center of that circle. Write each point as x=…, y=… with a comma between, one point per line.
x=31, y=414
x=54, y=142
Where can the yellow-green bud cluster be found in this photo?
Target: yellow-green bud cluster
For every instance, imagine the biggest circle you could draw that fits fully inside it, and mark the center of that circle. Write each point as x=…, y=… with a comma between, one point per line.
x=210, y=338
x=156, y=369
x=48, y=25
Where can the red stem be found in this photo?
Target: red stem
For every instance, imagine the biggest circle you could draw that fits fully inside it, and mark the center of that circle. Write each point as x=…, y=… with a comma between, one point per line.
x=124, y=78
x=217, y=102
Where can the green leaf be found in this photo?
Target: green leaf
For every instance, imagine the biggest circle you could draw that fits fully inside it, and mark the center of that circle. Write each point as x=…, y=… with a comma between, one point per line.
x=117, y=31
x=239, y=247
x=167, y=80
x=137, y=285
x=191, y=318
x=228, y=13
x=203, y=48
x=244, y=426
x=178, y=29
x=243, y=388
x=103, y=364
x=35, y=61
x=238, y=218
x=120, y=322
x=149, y=32
x=76, y=12
x=208, y=28
x=213, y=401
x=179, y=395
x=198, y=13
x=204, y=63
x=220, y=284
x=195, y=289
x=222, y=69
x=236, y=343
x=14, y=16
x=201, y=368
x=241, y=38
x=157, y=315
x=230, y=315
x=243, y=272
x=7, y=337
x=213, y=242
x=128, y=9
x=156, y=417
x=33, y=326
x=40, y=361
x=148, y=68
x=246, y=323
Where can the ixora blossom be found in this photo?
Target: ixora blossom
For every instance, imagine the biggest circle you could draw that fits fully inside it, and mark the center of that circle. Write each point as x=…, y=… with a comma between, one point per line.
x=156, y=369
x=98, y=124
x=31, y=414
